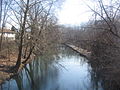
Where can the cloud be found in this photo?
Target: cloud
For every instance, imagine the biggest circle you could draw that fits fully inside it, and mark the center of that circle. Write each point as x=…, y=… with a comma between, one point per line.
x=73, y=12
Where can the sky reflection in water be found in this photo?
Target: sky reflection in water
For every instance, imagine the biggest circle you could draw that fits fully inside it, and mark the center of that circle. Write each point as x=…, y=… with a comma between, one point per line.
x=71, y=72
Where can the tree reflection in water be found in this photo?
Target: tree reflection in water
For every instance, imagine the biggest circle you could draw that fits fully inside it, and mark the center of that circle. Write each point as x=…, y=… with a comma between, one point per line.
x=107, y=78
x=65, y=70
x=36, y=75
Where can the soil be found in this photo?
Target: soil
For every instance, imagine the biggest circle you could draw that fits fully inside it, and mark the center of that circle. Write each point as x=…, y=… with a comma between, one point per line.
x=5, y=65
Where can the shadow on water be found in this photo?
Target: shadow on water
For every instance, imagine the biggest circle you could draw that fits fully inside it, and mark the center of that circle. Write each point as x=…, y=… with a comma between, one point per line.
x=107, y=78
x=64, y=70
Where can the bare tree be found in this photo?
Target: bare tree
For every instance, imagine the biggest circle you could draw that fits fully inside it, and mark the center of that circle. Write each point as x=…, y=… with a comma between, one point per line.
x=33, y=20
x=108, y=14
x=18, y=63
x=4, y=7
x=1, y=10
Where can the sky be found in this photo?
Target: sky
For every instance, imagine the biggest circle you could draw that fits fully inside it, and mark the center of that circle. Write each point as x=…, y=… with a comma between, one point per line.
x=74, y=12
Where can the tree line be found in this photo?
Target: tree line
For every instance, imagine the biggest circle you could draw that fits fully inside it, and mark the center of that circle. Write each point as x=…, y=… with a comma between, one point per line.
x=35, y=25
x=100, y=36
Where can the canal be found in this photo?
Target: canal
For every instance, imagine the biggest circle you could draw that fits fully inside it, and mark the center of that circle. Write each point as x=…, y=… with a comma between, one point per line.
x=66, y=70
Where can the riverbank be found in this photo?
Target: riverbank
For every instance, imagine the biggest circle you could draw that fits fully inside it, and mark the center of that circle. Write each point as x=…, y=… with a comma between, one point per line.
x=6, y=63
x=67, y=65
x=82, y=52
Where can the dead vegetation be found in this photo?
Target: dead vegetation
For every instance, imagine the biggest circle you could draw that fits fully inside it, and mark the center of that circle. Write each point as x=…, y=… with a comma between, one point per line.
x=101, y=36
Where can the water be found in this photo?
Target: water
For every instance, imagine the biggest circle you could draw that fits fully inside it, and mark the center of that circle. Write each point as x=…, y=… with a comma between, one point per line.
x=65, y=71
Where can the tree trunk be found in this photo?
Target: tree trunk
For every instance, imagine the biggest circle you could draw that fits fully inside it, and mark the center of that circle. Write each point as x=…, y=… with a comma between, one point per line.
x=18, y=63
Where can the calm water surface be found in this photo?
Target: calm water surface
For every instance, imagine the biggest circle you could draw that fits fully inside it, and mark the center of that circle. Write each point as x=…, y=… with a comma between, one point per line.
x=65, y=71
